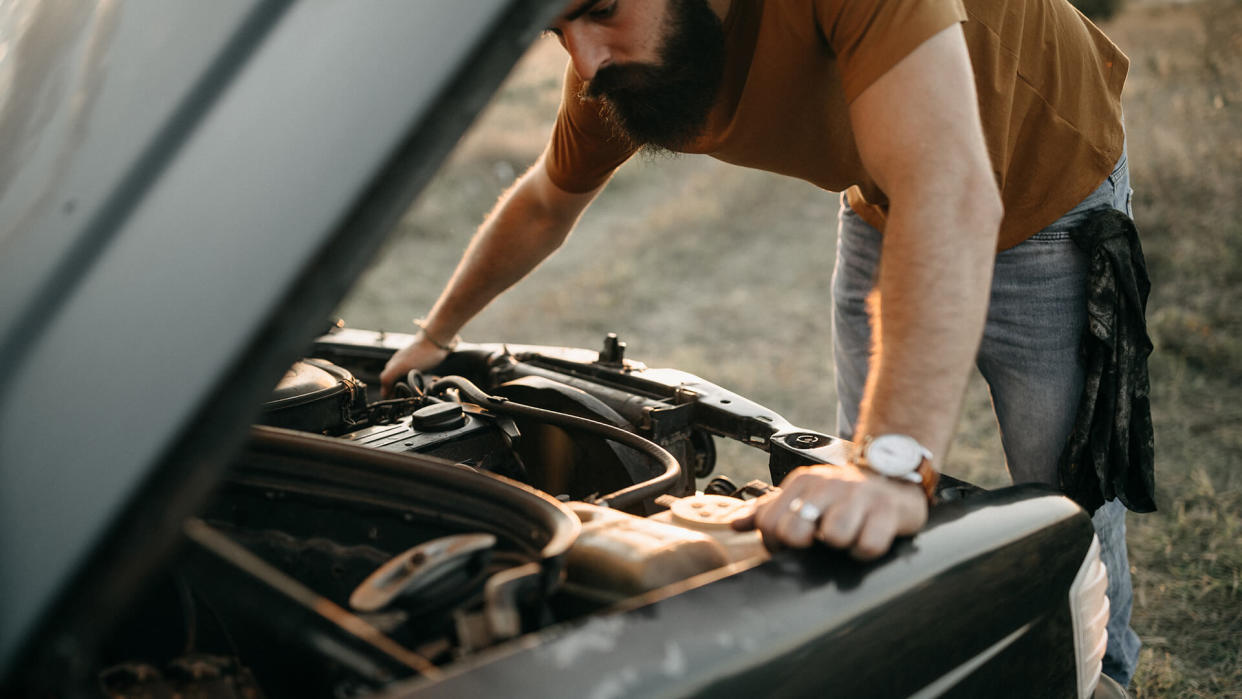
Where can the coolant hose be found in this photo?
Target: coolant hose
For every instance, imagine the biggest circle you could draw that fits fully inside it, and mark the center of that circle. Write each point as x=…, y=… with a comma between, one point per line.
x=625, y=497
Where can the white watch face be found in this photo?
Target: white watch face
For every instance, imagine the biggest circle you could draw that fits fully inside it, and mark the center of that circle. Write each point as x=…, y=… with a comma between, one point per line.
x=895, y=454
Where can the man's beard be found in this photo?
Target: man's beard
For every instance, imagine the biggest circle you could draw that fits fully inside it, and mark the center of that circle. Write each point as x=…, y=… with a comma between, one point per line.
x=664, y=105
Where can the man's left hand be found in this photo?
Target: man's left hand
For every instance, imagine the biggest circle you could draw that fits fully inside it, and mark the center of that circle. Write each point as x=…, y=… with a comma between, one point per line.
x=845, y=507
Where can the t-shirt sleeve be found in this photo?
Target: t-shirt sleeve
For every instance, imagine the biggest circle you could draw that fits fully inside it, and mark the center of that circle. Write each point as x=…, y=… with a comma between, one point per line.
x=583, y=151
x=870, y=37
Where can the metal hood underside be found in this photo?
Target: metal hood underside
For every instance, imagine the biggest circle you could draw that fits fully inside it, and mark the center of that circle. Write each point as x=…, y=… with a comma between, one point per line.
x=186, y=191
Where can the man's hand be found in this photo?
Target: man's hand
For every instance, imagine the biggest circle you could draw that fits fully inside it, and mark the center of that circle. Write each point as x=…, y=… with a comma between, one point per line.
x=860, y=510
x=420, y=354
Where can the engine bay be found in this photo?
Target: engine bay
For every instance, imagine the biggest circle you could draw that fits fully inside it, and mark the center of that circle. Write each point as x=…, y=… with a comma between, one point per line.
x=360, y=541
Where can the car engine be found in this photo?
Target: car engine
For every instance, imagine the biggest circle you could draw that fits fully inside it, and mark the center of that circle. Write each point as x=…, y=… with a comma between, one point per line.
x=360, y=541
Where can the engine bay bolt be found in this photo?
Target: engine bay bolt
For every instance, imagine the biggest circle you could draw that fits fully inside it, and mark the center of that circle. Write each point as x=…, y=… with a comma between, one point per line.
x=613, y=352
x=806, y=440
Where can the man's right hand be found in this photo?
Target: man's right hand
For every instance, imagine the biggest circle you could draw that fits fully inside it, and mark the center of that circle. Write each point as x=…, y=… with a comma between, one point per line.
x=421, y=354
x=851, y=508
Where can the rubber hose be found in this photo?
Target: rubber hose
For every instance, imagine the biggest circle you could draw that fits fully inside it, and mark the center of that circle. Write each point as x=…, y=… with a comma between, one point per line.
x=625, y=497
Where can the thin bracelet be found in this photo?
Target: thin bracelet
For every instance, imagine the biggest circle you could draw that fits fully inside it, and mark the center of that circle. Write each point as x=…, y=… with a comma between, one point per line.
x=451, y=345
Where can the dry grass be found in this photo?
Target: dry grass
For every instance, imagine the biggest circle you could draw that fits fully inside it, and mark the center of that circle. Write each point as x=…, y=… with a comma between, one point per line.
x=1184, y=107
x=725, y=273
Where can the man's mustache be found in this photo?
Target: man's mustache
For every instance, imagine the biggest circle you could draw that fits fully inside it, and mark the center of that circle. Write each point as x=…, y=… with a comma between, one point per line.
x=619, y=79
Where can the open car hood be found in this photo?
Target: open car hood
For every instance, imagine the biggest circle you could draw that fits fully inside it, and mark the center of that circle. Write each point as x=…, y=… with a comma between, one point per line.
x=184, y=186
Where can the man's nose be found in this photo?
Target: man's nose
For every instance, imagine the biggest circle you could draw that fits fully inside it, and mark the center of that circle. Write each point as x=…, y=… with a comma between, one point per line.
x=587, y=52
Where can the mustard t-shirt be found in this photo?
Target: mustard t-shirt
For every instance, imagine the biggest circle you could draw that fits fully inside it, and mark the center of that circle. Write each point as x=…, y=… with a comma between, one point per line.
x=1049, y=85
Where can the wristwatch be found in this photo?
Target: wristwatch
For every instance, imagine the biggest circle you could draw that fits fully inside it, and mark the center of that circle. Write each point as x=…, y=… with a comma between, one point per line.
x=898, y=456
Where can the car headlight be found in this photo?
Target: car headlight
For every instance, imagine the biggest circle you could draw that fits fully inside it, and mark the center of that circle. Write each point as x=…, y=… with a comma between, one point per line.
x=1089, y=608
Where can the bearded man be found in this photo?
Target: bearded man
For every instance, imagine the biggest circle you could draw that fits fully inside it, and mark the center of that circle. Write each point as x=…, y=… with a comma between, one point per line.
x=968, y=137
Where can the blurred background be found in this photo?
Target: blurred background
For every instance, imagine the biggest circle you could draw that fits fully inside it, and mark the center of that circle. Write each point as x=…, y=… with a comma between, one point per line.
x=725, y=273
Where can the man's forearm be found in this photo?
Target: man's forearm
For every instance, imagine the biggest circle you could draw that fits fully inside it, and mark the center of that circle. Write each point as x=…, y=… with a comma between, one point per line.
x=528, y=223
x=928, y=311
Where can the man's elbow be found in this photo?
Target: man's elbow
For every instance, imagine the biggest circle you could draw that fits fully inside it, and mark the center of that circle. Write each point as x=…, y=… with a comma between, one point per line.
x=555, y=208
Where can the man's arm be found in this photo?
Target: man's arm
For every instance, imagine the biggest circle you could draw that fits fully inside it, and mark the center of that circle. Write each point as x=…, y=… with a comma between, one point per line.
x=919, y=134
x=529, y=221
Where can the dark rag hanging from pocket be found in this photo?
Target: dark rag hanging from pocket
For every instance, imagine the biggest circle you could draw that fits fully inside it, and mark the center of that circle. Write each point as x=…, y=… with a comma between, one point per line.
x=1110, y=453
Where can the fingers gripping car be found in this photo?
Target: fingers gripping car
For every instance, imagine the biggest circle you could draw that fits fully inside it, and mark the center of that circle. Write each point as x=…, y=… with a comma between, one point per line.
x=163, y=267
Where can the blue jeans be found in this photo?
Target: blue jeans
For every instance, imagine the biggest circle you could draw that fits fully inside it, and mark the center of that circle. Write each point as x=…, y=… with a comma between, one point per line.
x=1029, y=358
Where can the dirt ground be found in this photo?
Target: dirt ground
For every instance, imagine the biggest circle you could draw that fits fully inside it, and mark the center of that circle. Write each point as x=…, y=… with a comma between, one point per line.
x=724, y=272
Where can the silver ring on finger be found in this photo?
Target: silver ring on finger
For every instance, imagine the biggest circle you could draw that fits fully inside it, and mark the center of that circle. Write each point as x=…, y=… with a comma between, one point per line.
x=805, y=510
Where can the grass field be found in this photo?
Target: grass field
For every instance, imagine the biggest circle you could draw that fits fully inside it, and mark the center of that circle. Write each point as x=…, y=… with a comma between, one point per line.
x=725, y=273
